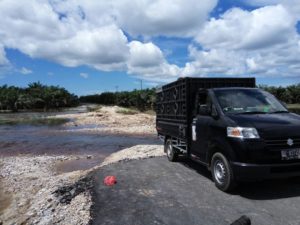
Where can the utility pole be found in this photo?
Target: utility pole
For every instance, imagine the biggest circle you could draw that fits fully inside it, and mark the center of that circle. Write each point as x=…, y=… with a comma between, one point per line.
x=117, y=87
x=141, y=84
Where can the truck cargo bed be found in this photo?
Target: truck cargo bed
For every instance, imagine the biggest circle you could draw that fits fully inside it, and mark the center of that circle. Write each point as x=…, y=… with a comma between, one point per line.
x=175, y=102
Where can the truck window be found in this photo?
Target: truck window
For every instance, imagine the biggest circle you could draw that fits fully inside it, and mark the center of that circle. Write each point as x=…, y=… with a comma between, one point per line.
x=248, y=101
x=203, y=100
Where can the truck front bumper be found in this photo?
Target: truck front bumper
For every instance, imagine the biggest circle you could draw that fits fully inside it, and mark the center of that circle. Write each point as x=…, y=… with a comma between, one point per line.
x=246, y=171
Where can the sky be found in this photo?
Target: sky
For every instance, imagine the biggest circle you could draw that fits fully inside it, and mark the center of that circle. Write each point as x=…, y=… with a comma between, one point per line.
x=94, y=46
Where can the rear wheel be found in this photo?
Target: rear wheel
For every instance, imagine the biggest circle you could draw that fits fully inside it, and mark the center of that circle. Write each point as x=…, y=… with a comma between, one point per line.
x=222, y=173
x=172, y=154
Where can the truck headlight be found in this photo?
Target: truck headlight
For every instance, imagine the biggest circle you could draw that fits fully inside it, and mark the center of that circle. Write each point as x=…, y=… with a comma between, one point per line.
x=242, y=132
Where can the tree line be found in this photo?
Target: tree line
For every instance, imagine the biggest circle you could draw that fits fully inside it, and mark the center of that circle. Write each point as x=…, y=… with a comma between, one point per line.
x=289, y=94
x=35, y=97
x=140, y=99
x=38, y=96
x=145, y=99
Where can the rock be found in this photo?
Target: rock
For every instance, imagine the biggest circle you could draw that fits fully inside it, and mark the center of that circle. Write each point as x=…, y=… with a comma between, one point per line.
x=72, y=192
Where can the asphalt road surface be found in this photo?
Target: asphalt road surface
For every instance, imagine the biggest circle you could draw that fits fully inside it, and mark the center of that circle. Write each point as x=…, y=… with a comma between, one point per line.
x=155, y=191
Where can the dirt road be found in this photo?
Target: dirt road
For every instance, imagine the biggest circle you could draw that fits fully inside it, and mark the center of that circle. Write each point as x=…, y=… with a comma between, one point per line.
x=155, y=191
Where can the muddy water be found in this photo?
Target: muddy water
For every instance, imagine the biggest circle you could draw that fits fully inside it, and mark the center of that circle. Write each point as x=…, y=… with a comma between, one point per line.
x=18, y=140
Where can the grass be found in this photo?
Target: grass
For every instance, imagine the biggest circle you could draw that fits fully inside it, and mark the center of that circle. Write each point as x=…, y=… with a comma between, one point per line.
x=127, y=111
x=295, y=108
x=34, y=121
x=150, y=112
x=94, y=108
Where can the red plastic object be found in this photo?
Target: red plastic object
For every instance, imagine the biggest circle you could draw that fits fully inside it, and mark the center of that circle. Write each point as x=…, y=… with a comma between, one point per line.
x=110, y=180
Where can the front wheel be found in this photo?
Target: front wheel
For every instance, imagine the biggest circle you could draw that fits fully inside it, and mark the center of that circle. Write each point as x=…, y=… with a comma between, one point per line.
x=172, y=154
x=222, y=173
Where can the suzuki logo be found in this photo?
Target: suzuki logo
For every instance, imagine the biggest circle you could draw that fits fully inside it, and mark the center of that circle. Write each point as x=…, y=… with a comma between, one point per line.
x=290, y=142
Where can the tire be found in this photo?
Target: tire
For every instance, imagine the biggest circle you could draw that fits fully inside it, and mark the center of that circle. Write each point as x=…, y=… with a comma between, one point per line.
x=172, y=154
x=222, y=173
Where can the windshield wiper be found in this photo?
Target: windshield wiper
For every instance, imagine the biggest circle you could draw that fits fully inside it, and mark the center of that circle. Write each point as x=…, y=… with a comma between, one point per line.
x=253, y=112
x=281, y=111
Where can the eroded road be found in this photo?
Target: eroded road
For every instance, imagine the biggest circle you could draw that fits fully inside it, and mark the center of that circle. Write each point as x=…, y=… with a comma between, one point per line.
x=154, y=191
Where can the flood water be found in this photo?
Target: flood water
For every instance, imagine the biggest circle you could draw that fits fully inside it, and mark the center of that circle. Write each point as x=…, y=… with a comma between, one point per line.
x=26, y=139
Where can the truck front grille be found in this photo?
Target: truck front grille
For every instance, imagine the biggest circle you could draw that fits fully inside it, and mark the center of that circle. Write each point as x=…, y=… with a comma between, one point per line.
x=282, y=143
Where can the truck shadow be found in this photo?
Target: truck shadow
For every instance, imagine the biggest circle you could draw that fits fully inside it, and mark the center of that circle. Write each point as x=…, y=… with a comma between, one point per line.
x=202, y=170
x=256, y=190
x=270, y=189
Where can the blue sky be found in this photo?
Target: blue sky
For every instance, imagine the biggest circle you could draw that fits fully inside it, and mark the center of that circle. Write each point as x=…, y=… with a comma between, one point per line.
x=162, y=41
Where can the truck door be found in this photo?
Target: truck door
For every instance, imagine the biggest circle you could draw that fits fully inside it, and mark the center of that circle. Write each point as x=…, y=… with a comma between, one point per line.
x=201, y=126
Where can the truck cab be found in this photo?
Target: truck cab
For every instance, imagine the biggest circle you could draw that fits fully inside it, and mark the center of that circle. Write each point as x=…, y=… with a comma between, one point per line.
x=239, y=133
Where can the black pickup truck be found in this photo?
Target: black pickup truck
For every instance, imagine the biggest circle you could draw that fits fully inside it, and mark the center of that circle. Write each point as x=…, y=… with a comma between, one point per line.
x=236, y=130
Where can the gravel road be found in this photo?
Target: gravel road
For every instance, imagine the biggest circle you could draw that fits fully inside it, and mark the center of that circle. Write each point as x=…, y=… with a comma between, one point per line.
x=155, y=191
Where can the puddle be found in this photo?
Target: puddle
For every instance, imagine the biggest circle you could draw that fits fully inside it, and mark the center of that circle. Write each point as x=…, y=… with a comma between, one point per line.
x=78, y=164
x=28, y=139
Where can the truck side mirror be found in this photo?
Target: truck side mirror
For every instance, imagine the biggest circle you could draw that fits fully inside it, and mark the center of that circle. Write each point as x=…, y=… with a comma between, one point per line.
x=203, y=110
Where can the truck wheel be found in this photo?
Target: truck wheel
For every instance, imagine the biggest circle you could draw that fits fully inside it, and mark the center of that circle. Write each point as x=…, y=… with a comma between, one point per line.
x=222, y=173
x=171, y=152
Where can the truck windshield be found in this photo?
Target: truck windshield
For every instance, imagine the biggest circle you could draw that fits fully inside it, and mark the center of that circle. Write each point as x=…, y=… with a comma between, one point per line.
x=248, y=101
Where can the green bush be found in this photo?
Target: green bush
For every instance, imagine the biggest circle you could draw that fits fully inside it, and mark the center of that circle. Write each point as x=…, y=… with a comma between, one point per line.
x=127, y=111
x=141, y=99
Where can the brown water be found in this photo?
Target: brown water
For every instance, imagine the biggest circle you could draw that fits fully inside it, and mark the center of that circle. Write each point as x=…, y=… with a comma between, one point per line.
x=78, y=164
x=18, y=140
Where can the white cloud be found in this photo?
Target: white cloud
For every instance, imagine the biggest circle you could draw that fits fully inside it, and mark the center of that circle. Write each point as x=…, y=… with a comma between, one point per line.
x=240, y=29
x=76, y=32
x=3, y=60
x=38, y=31
x=262, y=42
x=25, y=71
x=162, y=17
x=84, y=75
x=262, y=2
x=93, y=33
x=147, y=59
x=293, y=6
x=144, y=55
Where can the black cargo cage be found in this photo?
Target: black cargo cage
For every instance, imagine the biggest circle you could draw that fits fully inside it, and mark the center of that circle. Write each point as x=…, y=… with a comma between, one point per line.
x=175, y=102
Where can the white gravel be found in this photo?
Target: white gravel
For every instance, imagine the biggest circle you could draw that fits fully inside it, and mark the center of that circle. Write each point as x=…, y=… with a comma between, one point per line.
x=108, y=120
x=31, y=182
